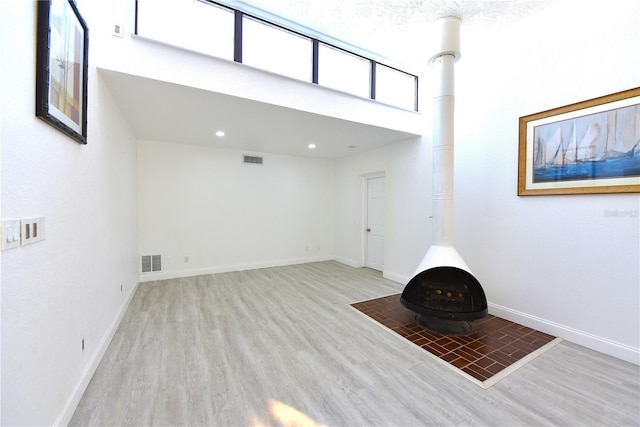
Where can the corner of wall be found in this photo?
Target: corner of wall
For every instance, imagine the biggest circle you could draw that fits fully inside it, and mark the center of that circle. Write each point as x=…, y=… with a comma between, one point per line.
x=347, y=261
x=94, y=361
x=396, y=277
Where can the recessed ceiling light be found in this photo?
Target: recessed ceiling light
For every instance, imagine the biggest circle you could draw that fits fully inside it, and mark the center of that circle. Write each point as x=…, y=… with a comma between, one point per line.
x=312, y=146
x=351, y=147
x=220, y=133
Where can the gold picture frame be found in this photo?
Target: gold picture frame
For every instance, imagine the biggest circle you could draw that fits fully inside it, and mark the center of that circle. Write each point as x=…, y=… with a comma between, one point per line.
x=590, y=147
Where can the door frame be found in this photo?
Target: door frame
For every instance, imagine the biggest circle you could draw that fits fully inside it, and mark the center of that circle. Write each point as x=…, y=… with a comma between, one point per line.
x=365, y=214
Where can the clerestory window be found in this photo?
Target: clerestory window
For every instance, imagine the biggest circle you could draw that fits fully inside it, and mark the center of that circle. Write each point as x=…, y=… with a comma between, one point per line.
x=214, y=29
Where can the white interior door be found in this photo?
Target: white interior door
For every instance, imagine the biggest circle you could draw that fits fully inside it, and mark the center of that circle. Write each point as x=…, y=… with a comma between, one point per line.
x=375, y=223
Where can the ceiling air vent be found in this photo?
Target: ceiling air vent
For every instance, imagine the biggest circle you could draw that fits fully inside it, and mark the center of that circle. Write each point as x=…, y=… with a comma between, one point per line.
x=151, y=263
x=252, y=160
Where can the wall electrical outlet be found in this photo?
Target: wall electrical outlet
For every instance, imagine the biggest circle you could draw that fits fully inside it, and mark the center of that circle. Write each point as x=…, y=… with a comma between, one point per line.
x=32, y=230
x=10, y=233
x=117, y=30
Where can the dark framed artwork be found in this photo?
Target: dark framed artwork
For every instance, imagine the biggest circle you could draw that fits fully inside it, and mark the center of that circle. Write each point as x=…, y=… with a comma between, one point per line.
x=588, y=147
x=61, y=67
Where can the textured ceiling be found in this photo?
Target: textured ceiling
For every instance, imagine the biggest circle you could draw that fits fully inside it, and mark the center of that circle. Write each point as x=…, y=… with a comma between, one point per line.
x=392, y=29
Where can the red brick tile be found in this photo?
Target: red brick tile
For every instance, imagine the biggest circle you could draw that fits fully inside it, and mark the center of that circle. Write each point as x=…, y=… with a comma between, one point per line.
x=502, y=358
x=469, y=354
x=449, y=357
x=462, y=339
x=477, y=372
x=459, y=363
x=438, y=349
x=484, y=363
x=474, y=345
x=420, y=341
x=451, y=345
x=495, y=368
x=493, y=343
x=509, y=349
x=428, y=335
x=443, y=341
x=520, y=354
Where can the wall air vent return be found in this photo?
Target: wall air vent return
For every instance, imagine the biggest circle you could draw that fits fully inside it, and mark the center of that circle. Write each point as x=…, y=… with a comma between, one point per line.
x=252, y=160
x=151, y=263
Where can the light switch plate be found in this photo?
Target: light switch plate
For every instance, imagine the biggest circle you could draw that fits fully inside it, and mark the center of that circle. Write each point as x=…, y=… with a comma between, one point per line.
x=10, y=233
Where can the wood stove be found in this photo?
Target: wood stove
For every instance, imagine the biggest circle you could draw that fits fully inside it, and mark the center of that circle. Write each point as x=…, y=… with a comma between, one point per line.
x=445, y=298
x=443, y=291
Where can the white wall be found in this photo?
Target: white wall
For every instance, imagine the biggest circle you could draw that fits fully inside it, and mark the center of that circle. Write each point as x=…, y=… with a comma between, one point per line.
x=56, y=292
x=1, y=78
x=557, y=263
x=406, y=168
x=568, y=262
x=205, y=204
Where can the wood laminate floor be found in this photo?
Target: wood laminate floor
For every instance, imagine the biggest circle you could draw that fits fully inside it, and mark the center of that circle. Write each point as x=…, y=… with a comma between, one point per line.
x=282, y=346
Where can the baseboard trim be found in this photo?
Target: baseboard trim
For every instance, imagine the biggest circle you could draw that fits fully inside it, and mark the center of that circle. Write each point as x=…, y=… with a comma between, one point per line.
x=228, y=268
x=72, y=402
x=594, y=342
x=400, y=278
x=347, y=261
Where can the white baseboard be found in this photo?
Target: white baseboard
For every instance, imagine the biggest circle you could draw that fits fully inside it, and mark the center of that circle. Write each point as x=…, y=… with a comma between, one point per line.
x=400, y=278
x=72, y=402
x=347, y=261
x=603, y=345
x=176, y=274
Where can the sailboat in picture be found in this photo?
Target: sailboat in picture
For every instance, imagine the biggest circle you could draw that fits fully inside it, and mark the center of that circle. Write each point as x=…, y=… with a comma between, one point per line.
x=550, y=153
x=626, y=134
x=571, y=151
x=587, y=149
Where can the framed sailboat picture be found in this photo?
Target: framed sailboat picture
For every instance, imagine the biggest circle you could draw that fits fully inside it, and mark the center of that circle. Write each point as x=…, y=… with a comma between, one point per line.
x=588, y=147
x=61, y=71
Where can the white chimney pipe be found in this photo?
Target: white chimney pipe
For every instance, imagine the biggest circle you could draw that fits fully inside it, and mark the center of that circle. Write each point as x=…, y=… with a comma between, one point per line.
x=442, y=253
